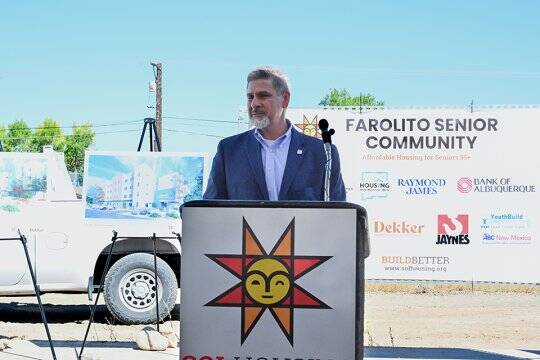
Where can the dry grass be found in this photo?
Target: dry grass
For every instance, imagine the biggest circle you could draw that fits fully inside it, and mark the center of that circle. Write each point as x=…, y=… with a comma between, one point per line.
x=450, y=288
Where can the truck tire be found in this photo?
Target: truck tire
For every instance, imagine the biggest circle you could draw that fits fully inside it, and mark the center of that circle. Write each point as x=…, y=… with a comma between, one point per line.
x=129, y=289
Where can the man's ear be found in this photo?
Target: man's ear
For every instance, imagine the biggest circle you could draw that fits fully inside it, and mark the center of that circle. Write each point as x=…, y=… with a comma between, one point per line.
x=286, y=97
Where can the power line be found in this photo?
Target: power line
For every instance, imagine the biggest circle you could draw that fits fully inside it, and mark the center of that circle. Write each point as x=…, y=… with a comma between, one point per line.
x=206, y=120
x=69, y=135
x=94, y=126
x=194, y=133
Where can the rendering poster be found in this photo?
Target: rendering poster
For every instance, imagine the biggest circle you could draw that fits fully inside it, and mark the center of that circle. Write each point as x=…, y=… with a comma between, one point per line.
x=128, y=185
x=23, y=181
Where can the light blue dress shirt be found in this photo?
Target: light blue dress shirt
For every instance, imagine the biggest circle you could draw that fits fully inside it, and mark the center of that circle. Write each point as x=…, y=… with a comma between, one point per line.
x=274, y=158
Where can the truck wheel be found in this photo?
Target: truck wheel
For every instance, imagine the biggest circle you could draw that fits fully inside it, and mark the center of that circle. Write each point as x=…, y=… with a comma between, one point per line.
x=130, y=291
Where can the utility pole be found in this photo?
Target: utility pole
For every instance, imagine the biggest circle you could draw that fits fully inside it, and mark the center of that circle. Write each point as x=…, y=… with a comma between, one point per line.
x=157, y=75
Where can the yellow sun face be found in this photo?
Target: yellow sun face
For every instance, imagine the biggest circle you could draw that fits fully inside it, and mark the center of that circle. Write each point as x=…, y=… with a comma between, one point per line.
x=310, y=129
x=267, y=281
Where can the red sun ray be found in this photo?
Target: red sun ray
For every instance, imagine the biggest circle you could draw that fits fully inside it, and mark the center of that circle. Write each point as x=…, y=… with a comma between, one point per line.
x=231, y=297
x=231, y=263
x=304, y=264
x=303, y=299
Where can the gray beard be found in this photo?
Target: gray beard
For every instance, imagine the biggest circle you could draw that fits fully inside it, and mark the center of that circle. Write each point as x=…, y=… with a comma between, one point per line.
x=260, y=123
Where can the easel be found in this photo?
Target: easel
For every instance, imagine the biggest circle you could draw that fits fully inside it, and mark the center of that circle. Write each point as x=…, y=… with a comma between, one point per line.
x=152, y=123
x=23, y=240
x=115, y=237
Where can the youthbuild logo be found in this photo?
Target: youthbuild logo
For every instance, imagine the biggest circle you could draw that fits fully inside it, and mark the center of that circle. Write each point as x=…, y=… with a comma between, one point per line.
x=491, y=185
x=506, y=228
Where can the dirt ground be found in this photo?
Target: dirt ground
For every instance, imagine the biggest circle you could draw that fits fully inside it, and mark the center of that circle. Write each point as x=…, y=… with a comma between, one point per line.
x=494, y=320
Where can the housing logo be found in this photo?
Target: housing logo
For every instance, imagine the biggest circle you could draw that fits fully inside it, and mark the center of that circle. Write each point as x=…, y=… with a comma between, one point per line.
x=397, y=228
x=421, y=186
x=506, y=228
x=492, y=185
x=453, y=231
x=374, y=184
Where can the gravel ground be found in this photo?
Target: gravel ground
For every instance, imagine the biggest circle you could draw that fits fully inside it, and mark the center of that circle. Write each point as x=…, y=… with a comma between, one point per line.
x=471, y=320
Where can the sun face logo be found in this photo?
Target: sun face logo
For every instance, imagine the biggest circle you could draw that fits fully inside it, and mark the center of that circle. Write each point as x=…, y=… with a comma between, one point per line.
x=267, y=281
x=310, y=128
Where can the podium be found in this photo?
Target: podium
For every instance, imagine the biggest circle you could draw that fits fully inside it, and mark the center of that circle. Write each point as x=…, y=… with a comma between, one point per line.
x=272, y=280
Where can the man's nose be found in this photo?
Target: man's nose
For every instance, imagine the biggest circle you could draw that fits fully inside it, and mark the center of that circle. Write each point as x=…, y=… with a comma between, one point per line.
x=255, y=102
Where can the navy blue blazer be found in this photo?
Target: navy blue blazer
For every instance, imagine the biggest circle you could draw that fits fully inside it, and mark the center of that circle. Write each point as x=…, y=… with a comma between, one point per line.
x=237, y=170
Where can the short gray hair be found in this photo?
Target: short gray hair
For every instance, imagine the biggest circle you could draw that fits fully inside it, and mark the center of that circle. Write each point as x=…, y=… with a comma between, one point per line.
x=280, y=82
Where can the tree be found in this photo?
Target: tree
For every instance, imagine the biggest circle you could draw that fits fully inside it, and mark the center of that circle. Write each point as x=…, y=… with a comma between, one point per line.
x=3, y=136
x=48, y=133
x=75, y=146
x=18, y=137
x=342, y=98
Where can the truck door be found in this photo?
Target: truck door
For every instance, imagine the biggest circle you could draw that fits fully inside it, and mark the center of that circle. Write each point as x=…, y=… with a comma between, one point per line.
x=13, y=265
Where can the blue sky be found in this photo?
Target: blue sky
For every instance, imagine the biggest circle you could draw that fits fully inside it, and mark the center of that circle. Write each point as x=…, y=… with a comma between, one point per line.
x=75, y=61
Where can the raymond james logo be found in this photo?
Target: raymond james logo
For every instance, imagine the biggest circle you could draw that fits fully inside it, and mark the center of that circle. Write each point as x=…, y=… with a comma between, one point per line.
x=421, y=186
x=492, y=185
x=453, y=230
x=374, y=185
x=397, y=228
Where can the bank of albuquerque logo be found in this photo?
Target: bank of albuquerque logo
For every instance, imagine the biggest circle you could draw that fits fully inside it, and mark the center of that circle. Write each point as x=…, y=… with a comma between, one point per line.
x=374, y=184
x=308, y=127
x=492, y=185
x=267, y=281
x=464, y=185
x=453, y=230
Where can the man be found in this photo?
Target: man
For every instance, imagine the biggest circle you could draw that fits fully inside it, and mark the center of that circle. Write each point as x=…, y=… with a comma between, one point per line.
x=273, y=161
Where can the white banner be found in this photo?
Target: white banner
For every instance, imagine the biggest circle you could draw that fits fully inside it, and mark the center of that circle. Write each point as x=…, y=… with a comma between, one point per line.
x=450, y=194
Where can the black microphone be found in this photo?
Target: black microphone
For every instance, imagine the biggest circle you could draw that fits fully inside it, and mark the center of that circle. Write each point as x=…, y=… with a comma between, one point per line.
x=325, y=133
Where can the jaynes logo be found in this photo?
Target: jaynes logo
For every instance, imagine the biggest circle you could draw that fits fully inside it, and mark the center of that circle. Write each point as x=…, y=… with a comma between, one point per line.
x=453, y=230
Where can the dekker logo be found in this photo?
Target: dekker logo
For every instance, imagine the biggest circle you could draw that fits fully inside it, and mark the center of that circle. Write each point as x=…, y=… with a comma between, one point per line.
x=492, y=185
x=453, y=230
x=397, y=228
x=374, y=185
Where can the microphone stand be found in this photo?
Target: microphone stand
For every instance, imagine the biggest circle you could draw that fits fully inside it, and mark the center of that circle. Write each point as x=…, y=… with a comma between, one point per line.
x=327, y=141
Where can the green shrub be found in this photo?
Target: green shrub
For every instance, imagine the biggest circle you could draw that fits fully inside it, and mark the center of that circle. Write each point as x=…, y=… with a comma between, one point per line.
x=9, y=208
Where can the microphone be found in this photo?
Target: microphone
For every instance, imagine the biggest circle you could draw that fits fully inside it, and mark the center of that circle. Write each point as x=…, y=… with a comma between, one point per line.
x=325, y=133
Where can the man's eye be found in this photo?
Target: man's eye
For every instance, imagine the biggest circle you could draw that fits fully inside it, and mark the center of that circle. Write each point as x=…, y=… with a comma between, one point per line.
x=255, y=282
x=279, y=282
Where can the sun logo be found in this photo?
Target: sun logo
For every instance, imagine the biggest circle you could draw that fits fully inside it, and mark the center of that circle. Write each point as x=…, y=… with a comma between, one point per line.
x=310, y=128
x=267, y=281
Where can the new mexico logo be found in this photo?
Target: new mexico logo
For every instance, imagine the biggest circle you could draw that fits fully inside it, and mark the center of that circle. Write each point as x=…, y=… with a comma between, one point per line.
x=267, y=281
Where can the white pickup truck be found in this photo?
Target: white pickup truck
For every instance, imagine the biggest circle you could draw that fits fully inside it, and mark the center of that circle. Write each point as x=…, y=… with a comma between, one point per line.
x=68, y=252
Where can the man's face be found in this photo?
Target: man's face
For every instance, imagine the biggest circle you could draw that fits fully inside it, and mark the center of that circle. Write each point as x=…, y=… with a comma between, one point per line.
x=265, y=105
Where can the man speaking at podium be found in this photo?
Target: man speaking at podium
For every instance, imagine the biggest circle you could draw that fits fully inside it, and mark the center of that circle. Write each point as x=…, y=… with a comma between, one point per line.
x=272, y=161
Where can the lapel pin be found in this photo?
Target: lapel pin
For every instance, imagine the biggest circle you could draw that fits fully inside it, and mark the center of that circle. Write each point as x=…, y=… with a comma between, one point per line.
x=299, y=152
